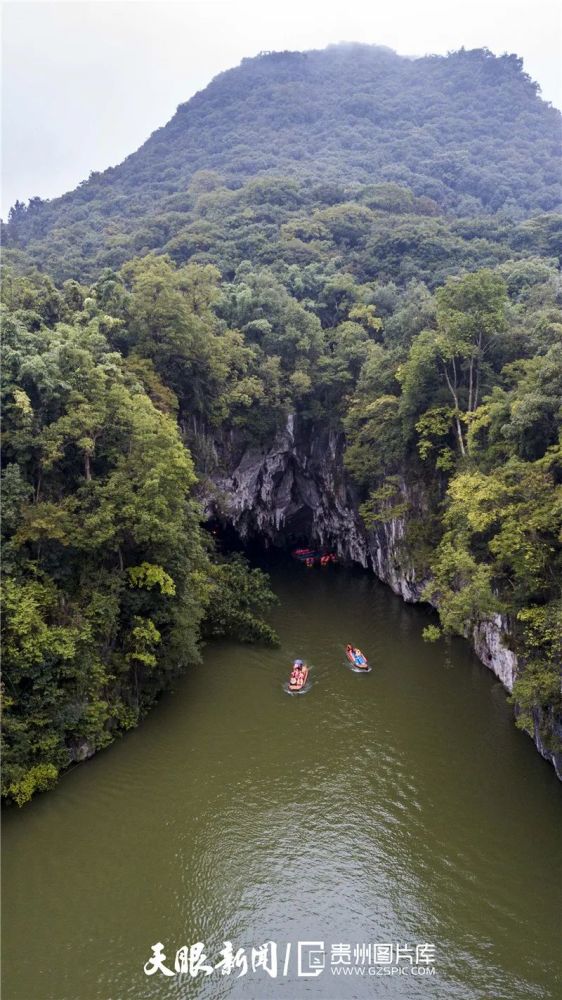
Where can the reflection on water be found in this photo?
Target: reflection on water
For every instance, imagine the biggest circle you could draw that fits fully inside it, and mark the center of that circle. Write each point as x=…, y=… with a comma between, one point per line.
x=397, y=807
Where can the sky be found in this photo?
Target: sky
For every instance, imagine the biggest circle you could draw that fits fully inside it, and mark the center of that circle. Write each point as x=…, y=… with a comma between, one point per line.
x=85, y=82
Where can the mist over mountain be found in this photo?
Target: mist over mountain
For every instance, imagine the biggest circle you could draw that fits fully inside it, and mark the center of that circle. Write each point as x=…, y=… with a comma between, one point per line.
x=467, y=132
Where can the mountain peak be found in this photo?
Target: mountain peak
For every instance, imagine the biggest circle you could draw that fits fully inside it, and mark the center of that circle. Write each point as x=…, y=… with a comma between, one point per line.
x=467, y=131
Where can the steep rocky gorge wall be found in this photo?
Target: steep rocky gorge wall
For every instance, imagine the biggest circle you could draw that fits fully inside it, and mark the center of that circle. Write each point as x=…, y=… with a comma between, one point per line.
x=296, y=491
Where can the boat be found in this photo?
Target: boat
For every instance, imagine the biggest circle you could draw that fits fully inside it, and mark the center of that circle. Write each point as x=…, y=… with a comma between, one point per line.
x=298, y=678
x=357, y=658
x=313, y=557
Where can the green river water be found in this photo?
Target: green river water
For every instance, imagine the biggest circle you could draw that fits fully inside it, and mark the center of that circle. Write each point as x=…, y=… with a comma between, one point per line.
x=399, y=807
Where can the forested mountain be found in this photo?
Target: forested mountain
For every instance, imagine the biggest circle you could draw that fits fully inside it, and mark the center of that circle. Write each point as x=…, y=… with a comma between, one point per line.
x=467, y=134
x=363, y=241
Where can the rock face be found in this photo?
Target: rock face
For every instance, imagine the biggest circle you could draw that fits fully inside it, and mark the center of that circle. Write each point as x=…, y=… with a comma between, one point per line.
x=81, y=750
x=296, y=491
x=488, y=639
x=548, y=721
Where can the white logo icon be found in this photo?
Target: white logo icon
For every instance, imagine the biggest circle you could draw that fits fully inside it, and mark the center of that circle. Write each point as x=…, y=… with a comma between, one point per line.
x=311, y=958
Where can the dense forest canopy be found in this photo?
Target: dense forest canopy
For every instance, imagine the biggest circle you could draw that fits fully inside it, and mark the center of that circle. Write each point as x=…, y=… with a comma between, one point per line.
x=466, y=134
x=366, y=241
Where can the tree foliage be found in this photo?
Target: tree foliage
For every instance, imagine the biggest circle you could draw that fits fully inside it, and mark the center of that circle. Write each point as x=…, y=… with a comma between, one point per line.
x=108, y=574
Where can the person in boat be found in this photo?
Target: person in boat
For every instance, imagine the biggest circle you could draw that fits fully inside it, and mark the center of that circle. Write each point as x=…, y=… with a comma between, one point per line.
x=357, y=655
x=297, y=672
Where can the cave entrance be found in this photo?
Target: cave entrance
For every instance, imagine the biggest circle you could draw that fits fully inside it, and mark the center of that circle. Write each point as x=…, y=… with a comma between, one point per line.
x=297, y=529
x=295, y=532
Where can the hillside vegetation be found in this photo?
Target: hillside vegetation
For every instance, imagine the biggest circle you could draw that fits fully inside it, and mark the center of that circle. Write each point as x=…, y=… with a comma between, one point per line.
x=467, y=134
x=345, y=235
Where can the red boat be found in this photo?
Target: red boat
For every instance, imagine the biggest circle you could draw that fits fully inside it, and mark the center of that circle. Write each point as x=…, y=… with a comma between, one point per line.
x=357, y=658
x=299, y=677
x=310, y=557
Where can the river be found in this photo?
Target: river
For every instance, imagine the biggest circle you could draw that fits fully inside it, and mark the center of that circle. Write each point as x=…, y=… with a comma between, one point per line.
x=400, y=807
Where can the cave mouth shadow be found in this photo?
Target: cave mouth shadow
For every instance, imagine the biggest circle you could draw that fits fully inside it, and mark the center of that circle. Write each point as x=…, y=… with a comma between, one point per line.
x=262, y=550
